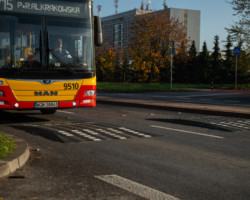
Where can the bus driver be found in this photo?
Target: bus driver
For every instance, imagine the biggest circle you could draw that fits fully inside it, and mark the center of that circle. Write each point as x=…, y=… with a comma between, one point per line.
x=63, y=53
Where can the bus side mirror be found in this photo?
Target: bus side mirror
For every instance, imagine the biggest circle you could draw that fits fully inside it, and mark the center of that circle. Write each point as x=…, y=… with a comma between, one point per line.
x=98, y=31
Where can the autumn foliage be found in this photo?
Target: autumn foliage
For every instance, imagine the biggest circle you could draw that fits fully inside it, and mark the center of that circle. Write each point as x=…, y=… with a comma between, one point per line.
x=151, y=44
x=147, y=59
x=105, y=62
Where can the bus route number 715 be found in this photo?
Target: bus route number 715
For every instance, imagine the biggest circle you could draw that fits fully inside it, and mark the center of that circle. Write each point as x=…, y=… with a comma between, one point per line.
x=7, y=4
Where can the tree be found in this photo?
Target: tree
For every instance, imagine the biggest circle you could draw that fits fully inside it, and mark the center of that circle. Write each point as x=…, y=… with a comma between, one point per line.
x=105, y=65
x=181, y=65
x=227, y=71
x=193, y=68
x=241, y=29
x=151, y=43
x=204, y=64
x=215, y=60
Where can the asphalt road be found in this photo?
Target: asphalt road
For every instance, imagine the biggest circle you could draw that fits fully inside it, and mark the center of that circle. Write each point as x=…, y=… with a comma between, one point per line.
x=227, y=98
x=113, y=152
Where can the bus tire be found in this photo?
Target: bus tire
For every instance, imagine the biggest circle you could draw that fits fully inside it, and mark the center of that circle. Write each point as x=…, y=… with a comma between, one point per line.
x=48, y=111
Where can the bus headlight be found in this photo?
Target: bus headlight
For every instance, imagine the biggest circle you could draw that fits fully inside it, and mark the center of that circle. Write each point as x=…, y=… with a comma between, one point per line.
x=90, y=93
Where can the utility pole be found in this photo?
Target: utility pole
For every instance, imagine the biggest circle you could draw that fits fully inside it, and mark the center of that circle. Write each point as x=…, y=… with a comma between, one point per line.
x=116, y=2
x=99, y=10
x=147, y=4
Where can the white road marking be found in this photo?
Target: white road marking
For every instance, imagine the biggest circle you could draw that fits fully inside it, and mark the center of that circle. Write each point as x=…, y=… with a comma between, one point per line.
x=86, y=135
x=90, y=131
x=134, y=132
x=219, y=124
x=66, y=133
x=65, y=112
x=111, y=134
x=190, y=132
x=114, y=130
x=135, y=188
x=233, y=124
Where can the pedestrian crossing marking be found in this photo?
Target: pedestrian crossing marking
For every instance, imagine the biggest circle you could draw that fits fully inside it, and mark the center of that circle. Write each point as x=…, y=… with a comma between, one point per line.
x=84, y=132
x=232, y=123
x=65, y=133
x=135, y=132
x=111, y=134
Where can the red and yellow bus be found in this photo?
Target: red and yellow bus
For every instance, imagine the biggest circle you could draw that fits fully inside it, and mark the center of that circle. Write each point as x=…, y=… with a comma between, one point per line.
x=47, y=54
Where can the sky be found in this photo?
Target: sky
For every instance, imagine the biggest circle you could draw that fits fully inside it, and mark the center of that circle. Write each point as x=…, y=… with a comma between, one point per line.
x=216, y=15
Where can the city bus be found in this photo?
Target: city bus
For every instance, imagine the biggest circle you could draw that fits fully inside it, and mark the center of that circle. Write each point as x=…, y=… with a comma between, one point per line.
x=47, y=54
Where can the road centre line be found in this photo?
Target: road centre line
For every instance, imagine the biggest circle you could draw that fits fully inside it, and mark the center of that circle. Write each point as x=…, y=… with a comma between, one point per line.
x=135, y=188
x=190, y=132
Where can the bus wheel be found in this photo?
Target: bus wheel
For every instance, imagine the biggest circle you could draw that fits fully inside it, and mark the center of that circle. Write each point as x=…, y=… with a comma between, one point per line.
x=48, y=111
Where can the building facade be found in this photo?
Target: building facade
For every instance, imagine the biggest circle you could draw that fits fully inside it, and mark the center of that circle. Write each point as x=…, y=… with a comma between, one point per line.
x=117, y=28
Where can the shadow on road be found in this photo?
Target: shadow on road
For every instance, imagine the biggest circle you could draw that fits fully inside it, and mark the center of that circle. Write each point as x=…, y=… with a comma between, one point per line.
x=38, y=131
x=12, y=117
x=191, y=123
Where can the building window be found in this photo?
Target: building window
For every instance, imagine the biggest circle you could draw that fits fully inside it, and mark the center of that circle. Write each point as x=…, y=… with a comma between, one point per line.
x=118, y=35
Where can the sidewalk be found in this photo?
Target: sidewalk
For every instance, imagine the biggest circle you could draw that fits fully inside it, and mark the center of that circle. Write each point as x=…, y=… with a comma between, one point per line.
x=16, y=159
x=232, y=111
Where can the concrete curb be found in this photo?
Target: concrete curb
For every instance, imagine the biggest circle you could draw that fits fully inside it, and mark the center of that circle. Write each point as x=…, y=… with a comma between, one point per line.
x=231, y=111
x=15, y=160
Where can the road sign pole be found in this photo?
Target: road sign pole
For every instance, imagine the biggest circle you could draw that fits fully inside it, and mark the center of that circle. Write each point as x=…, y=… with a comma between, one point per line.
x=236, y=74
x=236, y=53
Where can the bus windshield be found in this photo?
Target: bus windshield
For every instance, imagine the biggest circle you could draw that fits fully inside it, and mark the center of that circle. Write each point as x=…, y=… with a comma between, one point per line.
x=44, y=44
x=70, y=44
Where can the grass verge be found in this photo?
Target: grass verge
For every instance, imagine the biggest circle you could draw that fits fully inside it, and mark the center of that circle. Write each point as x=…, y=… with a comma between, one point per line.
x=7, y=145
x=154, y=87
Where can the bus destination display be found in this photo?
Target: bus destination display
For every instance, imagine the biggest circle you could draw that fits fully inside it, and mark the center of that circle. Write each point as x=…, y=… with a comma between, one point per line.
x=68, y=8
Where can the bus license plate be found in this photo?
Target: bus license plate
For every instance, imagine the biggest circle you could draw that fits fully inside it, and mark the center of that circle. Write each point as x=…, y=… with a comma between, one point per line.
x=52, y=104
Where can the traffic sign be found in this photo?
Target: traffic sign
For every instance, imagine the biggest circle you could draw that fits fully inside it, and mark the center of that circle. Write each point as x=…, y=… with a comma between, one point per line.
x=237, y=51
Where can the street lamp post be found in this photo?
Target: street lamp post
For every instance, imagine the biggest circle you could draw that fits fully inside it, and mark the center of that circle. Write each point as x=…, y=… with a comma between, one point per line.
x=171, y=65
x=171, y=72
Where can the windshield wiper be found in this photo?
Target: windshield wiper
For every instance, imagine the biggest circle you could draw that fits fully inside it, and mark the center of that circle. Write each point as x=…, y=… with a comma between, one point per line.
x=60, y=60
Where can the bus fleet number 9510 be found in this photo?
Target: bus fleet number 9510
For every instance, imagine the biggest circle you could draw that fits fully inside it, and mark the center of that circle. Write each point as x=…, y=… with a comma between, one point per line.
x=71, y=86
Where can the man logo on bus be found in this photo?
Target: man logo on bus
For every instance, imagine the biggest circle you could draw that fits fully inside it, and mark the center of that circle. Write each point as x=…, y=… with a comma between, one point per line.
x=46, y=82
x=46, y=93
